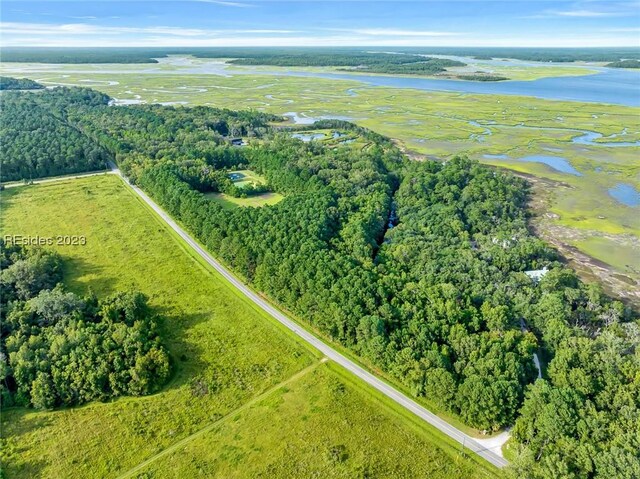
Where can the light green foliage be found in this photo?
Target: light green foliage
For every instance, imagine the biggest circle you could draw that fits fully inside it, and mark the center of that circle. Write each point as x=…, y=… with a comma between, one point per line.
x=212, y=334
x=332, y=430
x=435, y=124
x=225, y=351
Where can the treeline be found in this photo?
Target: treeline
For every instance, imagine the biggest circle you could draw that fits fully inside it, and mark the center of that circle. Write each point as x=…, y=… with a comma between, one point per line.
x=624, y=64
x=80, y=55
x=196, y=140
x=368, y=62
x=559, y=55
x=481, y=77
x=149, y=55
x=8, y=83
x=58, y=349
x=37, y=139
x=417, y=267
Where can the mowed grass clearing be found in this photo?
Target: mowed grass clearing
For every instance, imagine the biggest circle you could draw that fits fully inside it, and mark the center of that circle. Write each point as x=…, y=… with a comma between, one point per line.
x=333, y=429
x=246, y=177
x=214, y=335
x=243, y=178
x=256, y=201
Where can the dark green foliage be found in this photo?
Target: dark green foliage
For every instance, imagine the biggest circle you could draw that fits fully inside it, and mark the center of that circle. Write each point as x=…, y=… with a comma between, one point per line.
x=59, y=349
x=25, y=274
x=195, y=139
x=149, y=55
x=80, y=55
x=418, y=267
x=8, y=83
x=583, y=419
x=37, y=139
x=481, y=77
x=360, y=61
x=624, y=64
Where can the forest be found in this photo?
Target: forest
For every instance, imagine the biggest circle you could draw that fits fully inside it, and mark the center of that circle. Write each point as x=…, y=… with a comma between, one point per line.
x=624, y=64
x=417, y=267
x=79, y=55
x=368, y=62
x=37, y=140
x=8, y=83
x=150, y=55
x=59, y=349
x=481, y=77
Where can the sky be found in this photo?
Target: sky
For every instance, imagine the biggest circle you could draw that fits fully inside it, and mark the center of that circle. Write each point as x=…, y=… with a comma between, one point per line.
x=508, y=23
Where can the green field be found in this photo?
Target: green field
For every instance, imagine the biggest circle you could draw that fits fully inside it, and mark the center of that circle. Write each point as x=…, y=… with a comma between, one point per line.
x=426, y=124
x=231, y=202
x=217, y=337
x=242, y=178
x=246, y=177
x=512, y=72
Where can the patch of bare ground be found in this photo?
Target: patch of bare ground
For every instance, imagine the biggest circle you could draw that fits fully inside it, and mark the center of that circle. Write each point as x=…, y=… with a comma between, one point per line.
x=412, y=154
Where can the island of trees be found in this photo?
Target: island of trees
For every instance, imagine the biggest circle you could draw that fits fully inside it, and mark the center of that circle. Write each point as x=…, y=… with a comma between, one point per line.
x=624, y=64
x=8, y=83
x=59, y=349
x=357, y=61
x=419, y=268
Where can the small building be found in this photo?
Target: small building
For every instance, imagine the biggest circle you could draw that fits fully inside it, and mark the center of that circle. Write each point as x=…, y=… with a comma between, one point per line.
x=537, y=274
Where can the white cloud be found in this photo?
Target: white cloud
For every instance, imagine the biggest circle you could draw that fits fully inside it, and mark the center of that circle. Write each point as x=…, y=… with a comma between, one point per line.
x=391, y=32
x=84, y=29
x=83, y=34
x=586, y=13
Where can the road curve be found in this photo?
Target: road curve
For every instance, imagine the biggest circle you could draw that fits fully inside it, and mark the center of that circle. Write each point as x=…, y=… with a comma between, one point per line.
x=465, y=440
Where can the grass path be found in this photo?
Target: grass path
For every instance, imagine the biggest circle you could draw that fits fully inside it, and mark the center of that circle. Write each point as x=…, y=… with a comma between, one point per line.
x=215, y=335
x=220, y=421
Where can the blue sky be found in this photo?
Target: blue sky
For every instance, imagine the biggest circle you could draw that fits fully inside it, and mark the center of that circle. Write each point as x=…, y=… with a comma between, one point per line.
x=316, y=23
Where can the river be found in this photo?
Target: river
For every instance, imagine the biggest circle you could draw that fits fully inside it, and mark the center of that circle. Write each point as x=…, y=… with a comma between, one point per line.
x=614, y=86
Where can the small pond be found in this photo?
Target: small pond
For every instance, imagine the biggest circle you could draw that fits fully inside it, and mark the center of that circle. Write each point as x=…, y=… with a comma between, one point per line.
x=625, y=194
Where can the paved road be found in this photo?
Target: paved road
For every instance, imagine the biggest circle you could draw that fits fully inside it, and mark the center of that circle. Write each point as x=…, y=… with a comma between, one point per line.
x=469, y=443
x=484, y=448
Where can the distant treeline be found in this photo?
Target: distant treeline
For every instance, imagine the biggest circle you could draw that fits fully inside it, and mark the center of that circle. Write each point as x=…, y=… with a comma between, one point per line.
x=148, y=55
x=80, y=55
x=8, y=83
x=356, y=61
x=478, y=77
x=562, y=55
x=625, y=64
x=439, y=300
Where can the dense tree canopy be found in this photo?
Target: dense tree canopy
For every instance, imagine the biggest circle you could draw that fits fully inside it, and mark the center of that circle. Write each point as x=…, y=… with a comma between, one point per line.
x=150, y=54
x=8, y=83
x=624, y=64
x=418, y=267
x=37, y=139
x=59, y=349
x=349, y=61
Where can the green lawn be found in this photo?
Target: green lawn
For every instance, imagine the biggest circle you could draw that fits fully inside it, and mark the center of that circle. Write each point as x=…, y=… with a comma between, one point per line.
x=212, y=332
x=333, y=430
x=230, y=202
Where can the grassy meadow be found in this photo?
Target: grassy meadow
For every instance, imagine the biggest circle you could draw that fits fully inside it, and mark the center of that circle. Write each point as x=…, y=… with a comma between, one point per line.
x=277, y=409
x=256, y=201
